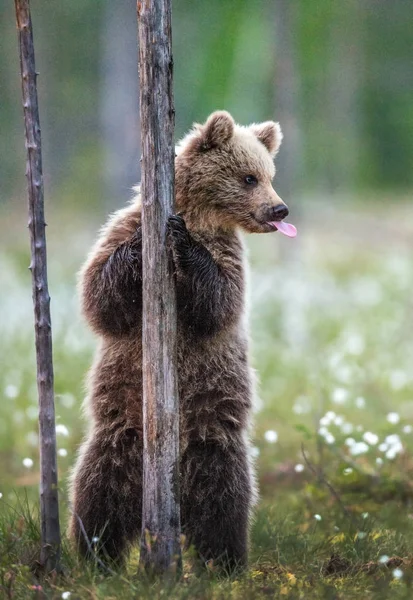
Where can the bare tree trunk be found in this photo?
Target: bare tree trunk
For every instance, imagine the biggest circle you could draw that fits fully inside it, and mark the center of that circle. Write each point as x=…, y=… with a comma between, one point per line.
x=287, y=111
x=287, y=98
x=119, y=106
x=160, y=545
x=49, y=504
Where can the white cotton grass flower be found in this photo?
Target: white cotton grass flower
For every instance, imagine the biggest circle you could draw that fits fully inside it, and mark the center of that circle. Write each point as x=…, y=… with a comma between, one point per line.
x=348, y=471
x=66, y=595
x=329, y=438
x=11, y=391
x=62, y=430
x=359, y=428
x=393, y=418
x=365, y=515
x=379, y=461
x=1, y=495
x=359, y=448
x=62, y=452
x=317, y=517
x=397, y=573
x=360, y=402
x=392, y=446
x=338, y=420
x=271, y=436
x=349, y=442
x=95, y=539
x=340, y=396
x=407, y=429
x=27, y=462
x=383, y=559
x=299, y=468
x=346, y=428
x=370, y=438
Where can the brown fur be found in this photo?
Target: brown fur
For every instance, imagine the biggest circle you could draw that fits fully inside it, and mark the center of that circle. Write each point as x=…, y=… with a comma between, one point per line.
x=215, y=380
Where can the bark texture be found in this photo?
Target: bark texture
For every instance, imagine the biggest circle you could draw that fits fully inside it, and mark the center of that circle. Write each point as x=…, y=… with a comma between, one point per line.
x=160, y=542
x=50, y=529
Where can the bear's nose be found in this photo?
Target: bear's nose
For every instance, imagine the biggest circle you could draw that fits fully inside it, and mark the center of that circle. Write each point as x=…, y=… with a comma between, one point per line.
x=279, y=212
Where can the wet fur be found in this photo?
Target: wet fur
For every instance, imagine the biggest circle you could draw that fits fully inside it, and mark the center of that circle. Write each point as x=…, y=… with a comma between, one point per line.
x=215, y=379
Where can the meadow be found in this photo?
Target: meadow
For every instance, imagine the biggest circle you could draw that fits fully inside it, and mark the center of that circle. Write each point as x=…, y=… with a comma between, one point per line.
x=331, y=326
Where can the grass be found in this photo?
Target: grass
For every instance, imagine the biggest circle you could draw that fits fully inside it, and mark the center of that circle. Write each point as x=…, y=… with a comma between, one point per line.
x=333, y=438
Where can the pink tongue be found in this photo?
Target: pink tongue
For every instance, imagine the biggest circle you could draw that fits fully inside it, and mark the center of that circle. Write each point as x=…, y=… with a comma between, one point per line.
x=285, y=228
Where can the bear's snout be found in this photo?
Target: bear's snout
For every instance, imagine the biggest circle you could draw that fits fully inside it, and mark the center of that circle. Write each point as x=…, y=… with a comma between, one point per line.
x=277, y=212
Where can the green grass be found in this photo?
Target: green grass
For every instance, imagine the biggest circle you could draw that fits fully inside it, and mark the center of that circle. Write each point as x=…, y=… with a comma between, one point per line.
x=332, y=341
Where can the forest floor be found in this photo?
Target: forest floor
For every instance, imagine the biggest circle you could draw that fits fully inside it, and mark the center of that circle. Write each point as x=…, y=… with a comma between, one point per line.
x=331, y=324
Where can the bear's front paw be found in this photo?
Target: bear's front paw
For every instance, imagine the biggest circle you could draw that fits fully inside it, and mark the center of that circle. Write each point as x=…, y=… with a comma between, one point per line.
x=179, y=234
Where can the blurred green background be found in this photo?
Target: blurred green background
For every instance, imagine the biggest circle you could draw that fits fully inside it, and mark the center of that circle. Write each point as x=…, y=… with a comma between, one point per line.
x=332, y=310
x=338, y=75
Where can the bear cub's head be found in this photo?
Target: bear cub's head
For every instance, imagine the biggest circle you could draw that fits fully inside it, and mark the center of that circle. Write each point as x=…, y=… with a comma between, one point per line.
x=224, y=173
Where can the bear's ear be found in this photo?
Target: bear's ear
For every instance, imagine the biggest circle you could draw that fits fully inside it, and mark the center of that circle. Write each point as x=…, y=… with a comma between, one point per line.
x=269, y=134
x=218, y=129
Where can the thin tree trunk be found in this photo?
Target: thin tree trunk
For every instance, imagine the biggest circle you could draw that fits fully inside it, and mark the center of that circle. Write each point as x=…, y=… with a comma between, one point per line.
x=118, y=104
x=49, y=506
x=160, y=545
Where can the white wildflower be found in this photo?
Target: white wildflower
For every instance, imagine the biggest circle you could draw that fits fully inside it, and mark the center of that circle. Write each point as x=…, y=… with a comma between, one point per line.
x=11, y=391
x=350, y=442
x=348, y=471
x=383, y=559
x=317, y=517
x=347, y=428
x=271, y=436
x=361, y=535
x=27, y=462
x=397, y=573
x=62, y=430
x=360, y=402
x=365, y=515
x=66, y=595
x=329, y=438
x=340, y=396
x=62, y=452
x=379, y=461
x=359, y=448
x=407, y=429
x=393, y=418
x=370, y=438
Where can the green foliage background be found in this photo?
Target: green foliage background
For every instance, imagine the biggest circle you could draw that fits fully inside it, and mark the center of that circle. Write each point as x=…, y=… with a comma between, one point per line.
x=226, y=56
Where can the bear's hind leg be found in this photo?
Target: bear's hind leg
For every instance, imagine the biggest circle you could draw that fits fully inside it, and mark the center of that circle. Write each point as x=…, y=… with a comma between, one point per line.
x=107, y=495
x=216, y=496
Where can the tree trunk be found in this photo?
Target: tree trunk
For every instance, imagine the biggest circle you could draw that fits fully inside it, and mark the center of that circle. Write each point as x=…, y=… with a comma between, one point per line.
x=49, y=506
x=118, y=104
x=160, y=545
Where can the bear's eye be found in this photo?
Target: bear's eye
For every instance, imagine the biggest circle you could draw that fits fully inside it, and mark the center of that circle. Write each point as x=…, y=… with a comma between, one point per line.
x=251, y=180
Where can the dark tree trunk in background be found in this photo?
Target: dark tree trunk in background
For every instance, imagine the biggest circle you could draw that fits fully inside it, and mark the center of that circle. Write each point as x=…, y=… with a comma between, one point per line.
x=342, y=95
x=49, y=506
x=160, y=542
x=119, y=105
x=287, y=110
x=287, y=98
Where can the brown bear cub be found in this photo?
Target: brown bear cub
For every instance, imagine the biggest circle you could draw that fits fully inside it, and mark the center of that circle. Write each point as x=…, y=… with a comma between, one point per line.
x=223, y=185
